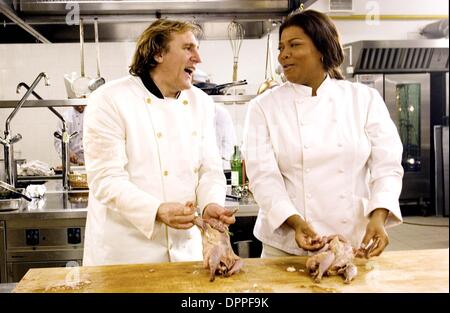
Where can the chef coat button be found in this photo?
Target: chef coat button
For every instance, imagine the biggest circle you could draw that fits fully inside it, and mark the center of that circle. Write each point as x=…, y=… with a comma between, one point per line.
x=344, y=221
x=339, y=145
x=341, y=170
x=159, y=135
x=334, y=119
x=148, y=100
x=194, y=133
x=342, y=196
x=185, y=102
x=308, y=195
x=165, y=173
x=307, y=170
x=306, y=146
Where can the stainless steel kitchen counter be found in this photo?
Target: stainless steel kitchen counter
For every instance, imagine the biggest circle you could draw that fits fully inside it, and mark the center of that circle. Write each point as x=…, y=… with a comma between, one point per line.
x=73, y=204
x=59, y=212
x=7, y=287
x=57, y=204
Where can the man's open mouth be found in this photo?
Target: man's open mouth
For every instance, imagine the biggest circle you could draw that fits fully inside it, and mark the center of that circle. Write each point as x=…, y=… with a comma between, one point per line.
x=189, y=70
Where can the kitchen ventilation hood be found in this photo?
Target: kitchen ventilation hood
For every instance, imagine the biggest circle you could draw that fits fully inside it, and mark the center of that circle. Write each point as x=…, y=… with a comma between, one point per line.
x=396, y=56
x=124, y=20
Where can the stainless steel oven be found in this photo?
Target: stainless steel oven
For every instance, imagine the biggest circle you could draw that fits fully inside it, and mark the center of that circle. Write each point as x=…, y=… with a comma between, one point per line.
x=410, y=76
x=407, y=97
x=38, y=242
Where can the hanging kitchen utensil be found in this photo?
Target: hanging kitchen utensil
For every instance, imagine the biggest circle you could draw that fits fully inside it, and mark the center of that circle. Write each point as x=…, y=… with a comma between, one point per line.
x=213, y=89
x=269, y=82
x=99, y=80
x=13, y=190
x=80, y=85
x=235, y=35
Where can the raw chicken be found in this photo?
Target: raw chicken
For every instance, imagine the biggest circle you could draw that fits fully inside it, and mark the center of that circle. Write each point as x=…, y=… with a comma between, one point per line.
x=335, y=258
x=218, y=255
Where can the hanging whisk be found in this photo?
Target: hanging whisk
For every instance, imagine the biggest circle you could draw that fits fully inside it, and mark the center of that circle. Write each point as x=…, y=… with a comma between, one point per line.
x=235, y=35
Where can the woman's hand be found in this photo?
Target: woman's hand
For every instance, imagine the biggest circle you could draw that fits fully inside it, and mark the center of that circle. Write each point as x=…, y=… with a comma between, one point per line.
x=305, y=236
x=376, y=238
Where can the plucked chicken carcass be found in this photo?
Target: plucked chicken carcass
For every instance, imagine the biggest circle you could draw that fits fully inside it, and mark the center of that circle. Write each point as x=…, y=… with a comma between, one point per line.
x=218, y=255
x=335, y=258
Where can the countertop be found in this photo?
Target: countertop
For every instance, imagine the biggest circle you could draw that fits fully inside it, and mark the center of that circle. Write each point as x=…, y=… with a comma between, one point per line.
x=393, y=271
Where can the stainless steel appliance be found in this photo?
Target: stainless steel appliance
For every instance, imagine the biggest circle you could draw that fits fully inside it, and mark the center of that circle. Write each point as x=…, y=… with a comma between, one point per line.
x=2, y=253
x=441, y=168
x=34, y=242
x=410, y=76
x=51, y=21
x=408, y=100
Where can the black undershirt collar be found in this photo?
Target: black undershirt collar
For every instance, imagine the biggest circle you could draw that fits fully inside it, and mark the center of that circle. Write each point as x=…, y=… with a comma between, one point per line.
x=151, y=86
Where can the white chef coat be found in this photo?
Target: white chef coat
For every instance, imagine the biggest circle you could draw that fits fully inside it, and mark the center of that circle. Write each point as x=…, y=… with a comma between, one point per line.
x=74, y=123
x=332, y=159
x=225, y=134
x=142, y=151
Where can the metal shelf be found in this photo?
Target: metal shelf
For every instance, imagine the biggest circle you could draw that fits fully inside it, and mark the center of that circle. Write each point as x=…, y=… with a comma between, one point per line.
x=4, y=104
x=42, y=103
x=38, y=178
x=233, y=99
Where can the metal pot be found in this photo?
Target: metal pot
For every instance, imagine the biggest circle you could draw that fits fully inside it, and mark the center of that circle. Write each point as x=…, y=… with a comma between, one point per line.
x=214, y=89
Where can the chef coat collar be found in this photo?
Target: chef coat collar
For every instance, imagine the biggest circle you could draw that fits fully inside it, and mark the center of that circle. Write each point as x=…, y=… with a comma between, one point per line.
x=307, y=91
x=151, y=86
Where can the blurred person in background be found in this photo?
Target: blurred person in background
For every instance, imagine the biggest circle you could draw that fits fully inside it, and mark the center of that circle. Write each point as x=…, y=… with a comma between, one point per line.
x=74, y=123
x=225, y=132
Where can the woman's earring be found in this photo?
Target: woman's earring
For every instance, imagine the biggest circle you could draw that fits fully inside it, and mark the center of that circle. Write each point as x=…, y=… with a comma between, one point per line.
x=321, y=59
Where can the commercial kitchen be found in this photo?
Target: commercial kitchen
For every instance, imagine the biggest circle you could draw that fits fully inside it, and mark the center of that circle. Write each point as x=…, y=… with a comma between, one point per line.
x=400, y=48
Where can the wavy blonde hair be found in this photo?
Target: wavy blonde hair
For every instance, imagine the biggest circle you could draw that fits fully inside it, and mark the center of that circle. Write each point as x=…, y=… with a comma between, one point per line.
x=155, y=40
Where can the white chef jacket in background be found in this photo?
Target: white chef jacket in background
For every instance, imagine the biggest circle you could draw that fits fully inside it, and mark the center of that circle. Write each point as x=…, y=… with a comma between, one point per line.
x=225, y=134
x=142, y=151
x=332, y=159
x=74, y=123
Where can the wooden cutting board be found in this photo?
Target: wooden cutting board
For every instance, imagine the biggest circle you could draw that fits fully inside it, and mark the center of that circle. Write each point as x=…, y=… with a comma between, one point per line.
x=398, y=271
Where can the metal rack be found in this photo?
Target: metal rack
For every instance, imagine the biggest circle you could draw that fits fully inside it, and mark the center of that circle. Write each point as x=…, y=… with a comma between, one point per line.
x=42, y=103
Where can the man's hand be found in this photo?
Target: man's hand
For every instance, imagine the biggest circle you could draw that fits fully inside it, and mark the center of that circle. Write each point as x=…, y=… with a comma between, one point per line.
x=305, y=236
x=176, y=215
x=220, y=213
x=376, y=238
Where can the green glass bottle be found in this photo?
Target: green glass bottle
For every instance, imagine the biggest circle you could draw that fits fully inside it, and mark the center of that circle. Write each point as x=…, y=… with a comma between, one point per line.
x=236, y=168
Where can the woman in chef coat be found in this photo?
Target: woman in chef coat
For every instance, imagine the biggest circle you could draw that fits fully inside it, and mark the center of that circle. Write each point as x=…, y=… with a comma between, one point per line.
x=323, y=156
x=150, y=151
